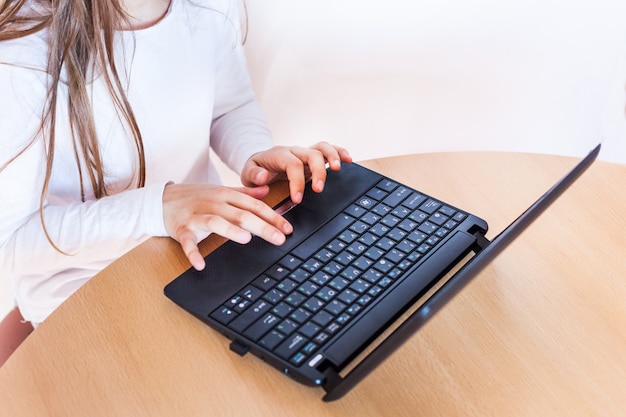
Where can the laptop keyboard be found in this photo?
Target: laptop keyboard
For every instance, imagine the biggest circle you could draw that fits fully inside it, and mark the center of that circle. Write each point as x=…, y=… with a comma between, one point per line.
x=303, y=300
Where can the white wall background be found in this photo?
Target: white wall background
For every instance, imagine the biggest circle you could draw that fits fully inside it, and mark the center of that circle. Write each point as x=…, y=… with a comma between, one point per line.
x=399, y=76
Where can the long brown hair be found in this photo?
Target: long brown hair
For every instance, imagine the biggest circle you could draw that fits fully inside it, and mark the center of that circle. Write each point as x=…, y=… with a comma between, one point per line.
x=80, y=41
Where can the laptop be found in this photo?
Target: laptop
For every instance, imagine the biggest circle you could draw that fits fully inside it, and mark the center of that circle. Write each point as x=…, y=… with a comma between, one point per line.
x=362, y=253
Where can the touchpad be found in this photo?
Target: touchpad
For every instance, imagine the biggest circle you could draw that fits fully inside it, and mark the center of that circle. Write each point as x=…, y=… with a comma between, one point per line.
x=304, y=221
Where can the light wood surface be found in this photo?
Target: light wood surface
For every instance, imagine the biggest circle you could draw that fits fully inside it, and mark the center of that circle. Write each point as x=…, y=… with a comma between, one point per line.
x=541, y=332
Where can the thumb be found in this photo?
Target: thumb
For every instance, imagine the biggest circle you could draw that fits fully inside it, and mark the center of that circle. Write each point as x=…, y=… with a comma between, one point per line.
x=255, y=175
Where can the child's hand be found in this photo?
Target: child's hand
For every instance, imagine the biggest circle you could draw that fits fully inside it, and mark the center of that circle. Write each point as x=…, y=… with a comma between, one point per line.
x=192, y=211
x=296, y=164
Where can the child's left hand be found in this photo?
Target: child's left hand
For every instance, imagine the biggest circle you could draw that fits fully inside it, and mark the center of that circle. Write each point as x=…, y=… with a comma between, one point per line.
x=296, y=164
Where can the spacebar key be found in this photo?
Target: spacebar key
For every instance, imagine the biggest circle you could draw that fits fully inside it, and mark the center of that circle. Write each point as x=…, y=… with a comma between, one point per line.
x=314, y=242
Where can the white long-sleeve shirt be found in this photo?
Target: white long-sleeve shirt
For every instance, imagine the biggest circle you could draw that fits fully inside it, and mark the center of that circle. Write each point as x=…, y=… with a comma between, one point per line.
x=188, y=85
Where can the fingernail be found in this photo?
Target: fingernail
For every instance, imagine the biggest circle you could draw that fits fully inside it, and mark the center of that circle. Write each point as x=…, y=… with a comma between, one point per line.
x=298, y=198
x=320, y=185
x=278, y=238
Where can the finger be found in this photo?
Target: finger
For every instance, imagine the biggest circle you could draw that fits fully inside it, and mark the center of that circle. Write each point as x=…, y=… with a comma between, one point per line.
x=316, y=163
x=262, y=210
x=254, y=192
x=330, y=153
x=261, y=220
x=189, y=245
x=255, y=175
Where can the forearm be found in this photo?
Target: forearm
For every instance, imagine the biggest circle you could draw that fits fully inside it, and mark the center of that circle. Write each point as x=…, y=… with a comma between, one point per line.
x=83, y=233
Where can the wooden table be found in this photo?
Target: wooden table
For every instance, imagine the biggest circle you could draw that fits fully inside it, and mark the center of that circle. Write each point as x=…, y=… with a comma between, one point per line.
x=541, y=332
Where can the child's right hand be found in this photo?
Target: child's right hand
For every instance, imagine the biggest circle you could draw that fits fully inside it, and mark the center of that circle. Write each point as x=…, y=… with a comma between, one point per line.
x=192, y=211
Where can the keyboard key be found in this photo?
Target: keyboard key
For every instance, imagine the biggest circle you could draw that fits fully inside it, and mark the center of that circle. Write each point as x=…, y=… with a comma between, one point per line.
x=428, y=228
x=310, y=329
x=355, y=210
x=272, y=339
x=299, y=275
x=249, y=316
x=397, y=234
x=336, y=245
x=332, y=328
x=300, y=315
x=348, y=236
x=277, y=272
x=252, y=293
x=290, y=262
x=308, y=288
x=357, y=248
x=335, y=307
x=438, y=219
x=261, y=326
x=383, y=265
x=265, y=283
x=314, y=304
x=324, y=255
x=287, y=327
x=408, y=225
x=273, y=296
x=419, y=216
x=347, y=296
x=372, y=276
x=312, y=265
x=390, y=220
x=282, y=309
x=395, y=255
x=373, y=254
x=338, y=283
x=224, y=315
x=335, y=268
x=359, y=227
x=366, y=202
x=295, y=299
x=290, y=346
x=370, y=218
x=321, y=338
x=380, y=229
x=242, y=305
x=365, y=262
x=368, y=239
x=377, y=193
x=321, y=278
x=234, y=301
x=350, y=273
x=397, y=196
x=360, y=286
x=387, y=185
x=382, y=209
x=401, y=212
x=430, y=206
x=406, y=246
x=448, y=211
x=414, y=201
x=299, y=358
x=344, y=258
x=322, y=318
x=459, y=217
x=286, y=285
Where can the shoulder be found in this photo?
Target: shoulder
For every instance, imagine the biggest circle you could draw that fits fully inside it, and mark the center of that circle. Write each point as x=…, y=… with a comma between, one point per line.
x=219, y=14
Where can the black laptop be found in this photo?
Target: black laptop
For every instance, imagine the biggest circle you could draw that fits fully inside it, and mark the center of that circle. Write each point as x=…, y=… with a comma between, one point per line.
x=362, y=253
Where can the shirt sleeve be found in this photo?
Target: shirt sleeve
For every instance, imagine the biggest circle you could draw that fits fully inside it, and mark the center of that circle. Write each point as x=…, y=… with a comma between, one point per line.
x=239, y=128
x=83, y=233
